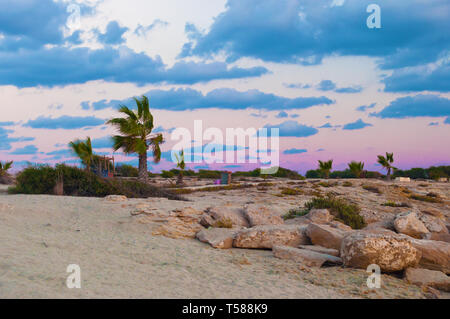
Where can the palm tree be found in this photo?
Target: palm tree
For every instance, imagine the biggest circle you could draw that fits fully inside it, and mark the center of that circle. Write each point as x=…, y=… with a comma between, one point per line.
x=356, y=168
x=136, y=134
x=386, y=162
x=181, y=165
x=325, y=167
x=83, y=149
x=4, y=167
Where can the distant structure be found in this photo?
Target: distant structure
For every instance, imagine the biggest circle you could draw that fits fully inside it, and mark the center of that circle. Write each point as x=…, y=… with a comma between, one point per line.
x=403, y=179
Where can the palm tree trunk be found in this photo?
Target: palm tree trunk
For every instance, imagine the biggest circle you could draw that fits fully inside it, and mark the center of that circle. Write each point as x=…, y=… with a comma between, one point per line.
x=180, y=178
x=389, y=174
x=143, y=173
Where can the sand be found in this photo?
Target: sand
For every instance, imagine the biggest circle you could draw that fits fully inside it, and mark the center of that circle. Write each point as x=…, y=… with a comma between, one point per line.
x=120, y=258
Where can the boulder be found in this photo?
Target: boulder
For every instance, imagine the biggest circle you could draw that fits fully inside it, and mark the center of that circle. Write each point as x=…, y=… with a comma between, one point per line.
x=267, y=236
x=306, y=257
x=339, y=225
x=390, y=252
x=227, y=215
x=217, y=237
x=409, y=224
x=325, y=236
x=320, y=216
x=435, y=254
x=115, y=198
x=178, y=228
x=320, y=249
x=438, y=237
x=433, y=212
x=433, y=224
x=262, y=215
x=428, y=278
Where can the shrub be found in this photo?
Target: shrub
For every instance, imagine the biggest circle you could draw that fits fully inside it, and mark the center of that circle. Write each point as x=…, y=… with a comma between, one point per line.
x=291, y=191
x=394, y=204
x=347, y=184
x=209, y=174
x=167, y=174
x=371, y=188
x=425, y=198
x=295, y=212
x=126, y=170
x=77, y=182
x=224, y=223
x=340, y=208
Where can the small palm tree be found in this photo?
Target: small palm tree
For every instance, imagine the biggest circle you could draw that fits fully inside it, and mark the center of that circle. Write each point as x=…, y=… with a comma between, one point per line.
x=83, y=149
x=325, y=167
x=181, y=165
x=4, y=167
x=136, y=134
x=356, y=168
x=386, y=162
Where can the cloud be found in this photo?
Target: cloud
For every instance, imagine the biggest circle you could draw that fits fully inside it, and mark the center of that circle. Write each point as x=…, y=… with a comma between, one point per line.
x=64, y=66
x=419, y=79
x=294, y=151
x=27, y=150
x=328, y=85
x=447, y=120
x=143, y=30
x=114, y=34
x=293, y=129
x=6, y=140
x=306, y=31
x=416, y=106
x=359, y=124
x=64, y=122
x=282, y=114
x=225, y=98
x=364, y=108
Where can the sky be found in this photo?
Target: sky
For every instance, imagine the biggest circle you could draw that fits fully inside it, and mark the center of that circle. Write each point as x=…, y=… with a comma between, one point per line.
x=333, y=86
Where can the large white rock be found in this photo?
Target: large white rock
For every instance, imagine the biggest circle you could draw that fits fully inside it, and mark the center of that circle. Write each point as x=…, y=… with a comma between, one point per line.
x=435, y=254
x=428, y=278
x=409, y=224
x=225, y=214
x=390, y=252
x=267, y=236
x=325, y=236
x=262, y=215
x=217, y=237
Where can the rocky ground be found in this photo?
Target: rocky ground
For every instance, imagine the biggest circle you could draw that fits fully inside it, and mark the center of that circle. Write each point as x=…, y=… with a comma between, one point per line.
x=230, y=243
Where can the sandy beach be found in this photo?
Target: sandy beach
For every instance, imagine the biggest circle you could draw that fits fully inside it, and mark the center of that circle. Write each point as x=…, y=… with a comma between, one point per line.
x=119, y=256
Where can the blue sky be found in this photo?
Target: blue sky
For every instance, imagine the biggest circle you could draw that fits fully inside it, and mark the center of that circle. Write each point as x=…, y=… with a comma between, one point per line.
x=311, y=68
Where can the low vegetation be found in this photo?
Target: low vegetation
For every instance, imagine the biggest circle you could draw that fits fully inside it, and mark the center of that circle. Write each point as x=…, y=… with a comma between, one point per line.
x=78, y=182
x=341, y=209
x=429, y=198
x=395, y=204
x=295, y=212
x=371, y=188
x=5, y=178
x=291, y=191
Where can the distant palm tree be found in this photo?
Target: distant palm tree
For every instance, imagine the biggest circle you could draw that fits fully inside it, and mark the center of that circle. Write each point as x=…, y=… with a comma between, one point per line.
x=4, y=167
x=83, y=149
x=356, y=168
x=386, y=162
x=135, y=129
x=325, y=167
x=181, y=165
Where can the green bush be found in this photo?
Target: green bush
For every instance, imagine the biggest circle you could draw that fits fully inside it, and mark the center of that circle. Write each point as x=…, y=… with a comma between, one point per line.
x=78, y=182
x=167, y=174
x=126, y=170
x=340, y=208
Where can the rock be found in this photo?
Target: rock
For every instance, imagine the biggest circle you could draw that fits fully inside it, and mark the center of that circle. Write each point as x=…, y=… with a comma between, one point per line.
x=339, y=225
x=433, y=224
x=302, y=220
x=320, y=216
x=428, y=278
x=262, y=215
x=433, y=212
x=178, y=228
x=217, y=237
x=116, y=198
x=435, y=254
x=307, y=257
x=390, y=252
x=325, y=236
x=409, y=224
x=207, y=221
x=227, y=214
x=438, y=237
x=267, y=236
x=320, y=249
x=188, y=214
